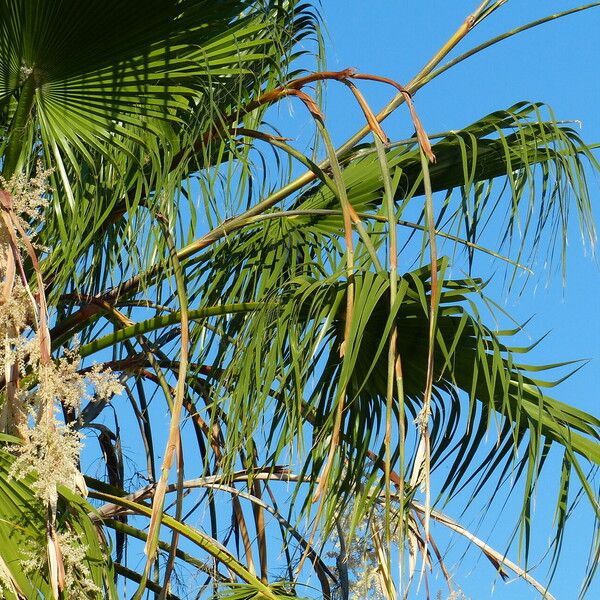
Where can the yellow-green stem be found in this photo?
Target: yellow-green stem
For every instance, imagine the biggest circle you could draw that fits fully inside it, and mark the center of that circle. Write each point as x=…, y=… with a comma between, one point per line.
x=392, y=351
x=158, y=503
x=423, y=418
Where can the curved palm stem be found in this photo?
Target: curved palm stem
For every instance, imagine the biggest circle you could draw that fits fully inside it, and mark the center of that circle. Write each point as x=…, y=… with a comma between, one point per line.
x=196, y=536
x=495, y=556
x=173, y=441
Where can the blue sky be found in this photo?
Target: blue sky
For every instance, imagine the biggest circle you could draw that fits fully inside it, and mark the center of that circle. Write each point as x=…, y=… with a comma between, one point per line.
x=557, y=64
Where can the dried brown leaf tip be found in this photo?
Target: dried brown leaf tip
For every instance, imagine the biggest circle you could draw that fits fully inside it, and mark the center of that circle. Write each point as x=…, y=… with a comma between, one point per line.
x=422, y=137
x=372, y=121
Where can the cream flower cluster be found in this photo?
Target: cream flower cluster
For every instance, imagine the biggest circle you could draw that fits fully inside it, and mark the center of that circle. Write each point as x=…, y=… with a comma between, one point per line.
x=35, y=387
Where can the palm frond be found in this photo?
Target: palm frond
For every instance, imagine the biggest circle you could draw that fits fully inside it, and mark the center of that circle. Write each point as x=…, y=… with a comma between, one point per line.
x=23, y=535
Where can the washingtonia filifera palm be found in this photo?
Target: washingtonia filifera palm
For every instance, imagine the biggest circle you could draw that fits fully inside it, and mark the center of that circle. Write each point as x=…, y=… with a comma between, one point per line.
x=314, y=392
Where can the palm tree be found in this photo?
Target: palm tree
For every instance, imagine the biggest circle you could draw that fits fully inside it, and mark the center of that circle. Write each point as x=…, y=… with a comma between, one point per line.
x=314, y=392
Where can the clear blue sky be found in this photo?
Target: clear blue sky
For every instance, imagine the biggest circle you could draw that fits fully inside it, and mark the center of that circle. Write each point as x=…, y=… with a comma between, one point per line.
x=556, y=64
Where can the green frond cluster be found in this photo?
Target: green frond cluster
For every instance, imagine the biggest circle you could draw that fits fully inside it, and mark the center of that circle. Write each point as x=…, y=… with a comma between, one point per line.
x=301, y=350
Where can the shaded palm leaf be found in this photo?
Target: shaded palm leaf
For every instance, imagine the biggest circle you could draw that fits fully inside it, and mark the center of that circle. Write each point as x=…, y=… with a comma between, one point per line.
x=23, y=533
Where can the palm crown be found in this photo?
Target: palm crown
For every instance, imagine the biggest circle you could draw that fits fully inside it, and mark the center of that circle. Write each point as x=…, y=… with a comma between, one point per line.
x=271, y=318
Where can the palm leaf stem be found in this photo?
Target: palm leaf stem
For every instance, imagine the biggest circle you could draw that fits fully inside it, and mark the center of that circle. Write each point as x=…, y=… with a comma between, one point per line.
x=504, y=36
x=178, y=516
x=144, y=327
x=137, y=578
x=325, y=212
x=133, y=532
x=151, y=547
x=424, y=415
x=196, y=536
x=221, y=483
x=393, y=360
x=112, y=509
x=348, y=220
x=494, y=555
